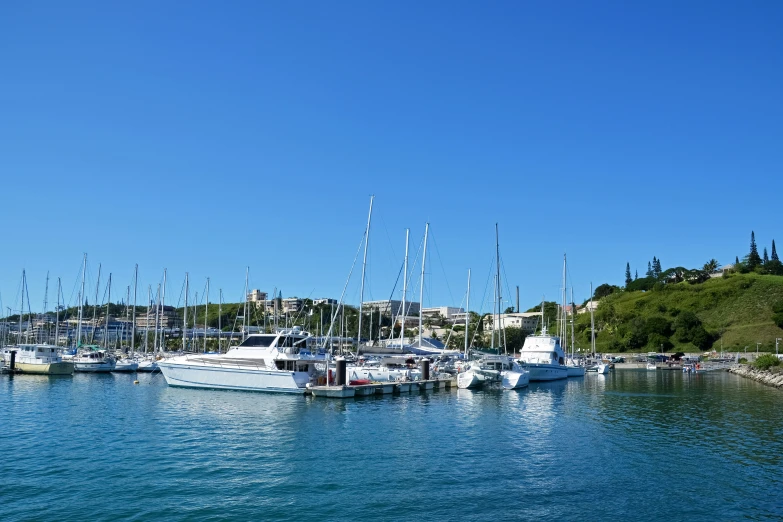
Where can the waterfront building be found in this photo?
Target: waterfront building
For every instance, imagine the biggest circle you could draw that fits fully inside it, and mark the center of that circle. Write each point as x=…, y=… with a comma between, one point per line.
x=167, y=319
x=257, y=297
x=392, y=306
x=525, y=321
x=445, y=312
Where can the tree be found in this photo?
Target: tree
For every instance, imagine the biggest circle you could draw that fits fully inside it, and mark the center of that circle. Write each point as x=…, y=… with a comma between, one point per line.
x=774, y=255
x=711, y=266
x=628, y=274
x=649, y=272
x=754, y=260
x=601, y=291
x=636, y=275
x=736, y=261
x=765, y=259
x=657, y=268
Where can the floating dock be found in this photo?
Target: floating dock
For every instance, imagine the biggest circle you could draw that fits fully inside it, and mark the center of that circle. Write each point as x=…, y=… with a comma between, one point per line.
x=347, y=391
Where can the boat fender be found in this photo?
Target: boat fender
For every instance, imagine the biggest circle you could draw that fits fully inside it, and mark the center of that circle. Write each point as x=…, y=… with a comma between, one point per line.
x=135, y=382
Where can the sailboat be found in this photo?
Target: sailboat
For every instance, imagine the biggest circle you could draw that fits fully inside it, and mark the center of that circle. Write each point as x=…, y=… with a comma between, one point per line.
x=574, y=368
x=91, y=359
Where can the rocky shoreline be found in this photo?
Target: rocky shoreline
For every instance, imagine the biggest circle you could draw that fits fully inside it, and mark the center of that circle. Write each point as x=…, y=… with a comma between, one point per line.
x=770, y=378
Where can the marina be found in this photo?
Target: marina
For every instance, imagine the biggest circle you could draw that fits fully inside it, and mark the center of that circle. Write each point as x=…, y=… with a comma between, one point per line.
x=167, y=448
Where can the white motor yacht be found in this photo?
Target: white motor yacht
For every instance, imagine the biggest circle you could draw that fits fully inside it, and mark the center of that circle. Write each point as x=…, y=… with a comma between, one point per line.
x=279, y=362
x=94, y=360
x=543, y=357
x=42, y=359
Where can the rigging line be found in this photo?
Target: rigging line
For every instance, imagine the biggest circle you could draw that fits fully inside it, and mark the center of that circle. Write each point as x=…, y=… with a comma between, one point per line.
x=453, y=324
x=342, y=296
x=443, y=269
x=483, y=300
x=505, y=278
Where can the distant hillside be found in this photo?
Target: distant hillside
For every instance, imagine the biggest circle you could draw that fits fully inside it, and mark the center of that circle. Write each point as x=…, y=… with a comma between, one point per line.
x=687, y=317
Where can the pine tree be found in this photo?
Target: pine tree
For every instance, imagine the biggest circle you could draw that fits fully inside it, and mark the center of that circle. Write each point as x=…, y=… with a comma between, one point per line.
x=636, y=275
x=774, y=255
x=736, y=260
x=649, y=270
x=628, y=279
x=657, y=268
x=765, y=259
x=754, y=259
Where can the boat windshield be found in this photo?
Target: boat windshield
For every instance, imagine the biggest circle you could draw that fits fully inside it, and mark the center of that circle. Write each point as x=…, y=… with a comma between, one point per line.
x=262, y=341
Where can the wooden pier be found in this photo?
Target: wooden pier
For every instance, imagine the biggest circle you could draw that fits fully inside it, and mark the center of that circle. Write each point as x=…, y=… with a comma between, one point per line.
x=380, y=388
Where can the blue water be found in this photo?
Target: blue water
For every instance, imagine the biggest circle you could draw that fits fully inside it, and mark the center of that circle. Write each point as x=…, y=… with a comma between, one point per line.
x=631, y=445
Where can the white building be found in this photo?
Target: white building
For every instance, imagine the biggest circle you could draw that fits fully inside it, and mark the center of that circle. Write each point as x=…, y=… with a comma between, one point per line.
x=446, y=312
x=257, y=297
x=588, y=307
x=325, y=301
x=392, y=307
x=525, y=321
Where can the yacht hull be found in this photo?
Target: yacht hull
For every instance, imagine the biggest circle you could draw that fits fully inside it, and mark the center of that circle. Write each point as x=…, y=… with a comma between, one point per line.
x=223, y=378
x=122, y=366
x=514, y=380
x=546, y=372
x=575, y=371
x=93, y=367
x=468, y=380
x=57, y=368
x=147, y=366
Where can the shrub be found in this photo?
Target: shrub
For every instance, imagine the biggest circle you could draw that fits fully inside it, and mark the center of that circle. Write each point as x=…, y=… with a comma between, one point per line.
x=766, y=361
x=743, y=360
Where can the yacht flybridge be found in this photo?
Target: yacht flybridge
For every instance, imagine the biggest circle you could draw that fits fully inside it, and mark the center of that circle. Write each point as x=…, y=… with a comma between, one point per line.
x=280, y=362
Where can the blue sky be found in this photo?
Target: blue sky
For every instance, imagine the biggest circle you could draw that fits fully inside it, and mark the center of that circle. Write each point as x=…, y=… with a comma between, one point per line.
x=207, y=137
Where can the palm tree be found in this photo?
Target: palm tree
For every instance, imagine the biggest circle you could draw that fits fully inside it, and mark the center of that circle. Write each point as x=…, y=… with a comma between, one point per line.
x=711, y=266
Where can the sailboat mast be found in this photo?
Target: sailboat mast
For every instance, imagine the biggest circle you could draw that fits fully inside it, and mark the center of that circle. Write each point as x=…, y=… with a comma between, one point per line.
x=21, y=309
x=57, y=316
x=81, y=305
x=592, y=322
x=162, y=315
x=95, y=306
x=157, y=317
x=220, y=316
x=494, y=306
x=244, y=310
x=572, y=322
x=404, y=288
x=106, y=326
x=206, y=313
x=467, y=315
x=364, y=268
x=185, y=318
x=147, y=322
x=133, y=326
x=421, y=286
x=499, y=290
x=46, y=304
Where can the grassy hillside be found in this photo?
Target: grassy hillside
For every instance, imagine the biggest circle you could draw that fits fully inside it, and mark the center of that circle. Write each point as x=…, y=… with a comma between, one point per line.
x=689, y=317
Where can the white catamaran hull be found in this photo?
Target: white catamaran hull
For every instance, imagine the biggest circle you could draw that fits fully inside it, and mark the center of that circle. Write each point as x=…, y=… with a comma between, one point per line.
x=514, y=380
x=248, y=379
x=469, y=379
x=546, y=372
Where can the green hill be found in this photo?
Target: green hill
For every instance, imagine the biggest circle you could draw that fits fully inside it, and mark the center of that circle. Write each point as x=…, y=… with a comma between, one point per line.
x=735, y=310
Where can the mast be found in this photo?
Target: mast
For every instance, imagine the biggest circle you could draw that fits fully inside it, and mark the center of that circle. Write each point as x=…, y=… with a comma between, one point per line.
x=499, y=293
x=147, y=322
x=421, y=286
x=364, y=268
x=572, y=322
x=244, y=312
x=206, y=312
x=404, y=289
x=106, y=326
x=495, y=325
x=185, y=318
x=220, y=316
x=563, y=325
x=467, y=315
x=46, y=303
x=57, y=317
x=157, y=317
x=162, y=315
x=81, y=306
x=133, y=326
x=21, y=309
x=95, y=306
x=592, y=322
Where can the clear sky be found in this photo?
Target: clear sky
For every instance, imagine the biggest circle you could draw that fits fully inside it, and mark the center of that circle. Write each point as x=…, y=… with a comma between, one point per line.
x=210, y=136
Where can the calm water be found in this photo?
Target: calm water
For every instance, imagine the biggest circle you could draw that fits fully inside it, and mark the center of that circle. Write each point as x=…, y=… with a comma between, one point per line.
x=633, y=444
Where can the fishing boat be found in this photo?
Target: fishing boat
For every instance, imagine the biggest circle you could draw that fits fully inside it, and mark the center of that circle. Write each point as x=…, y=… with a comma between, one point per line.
x=42, y=359
x=279, y=362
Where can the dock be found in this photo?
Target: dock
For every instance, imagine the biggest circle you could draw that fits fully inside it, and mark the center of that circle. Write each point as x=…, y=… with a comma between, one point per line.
x=347, y=391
